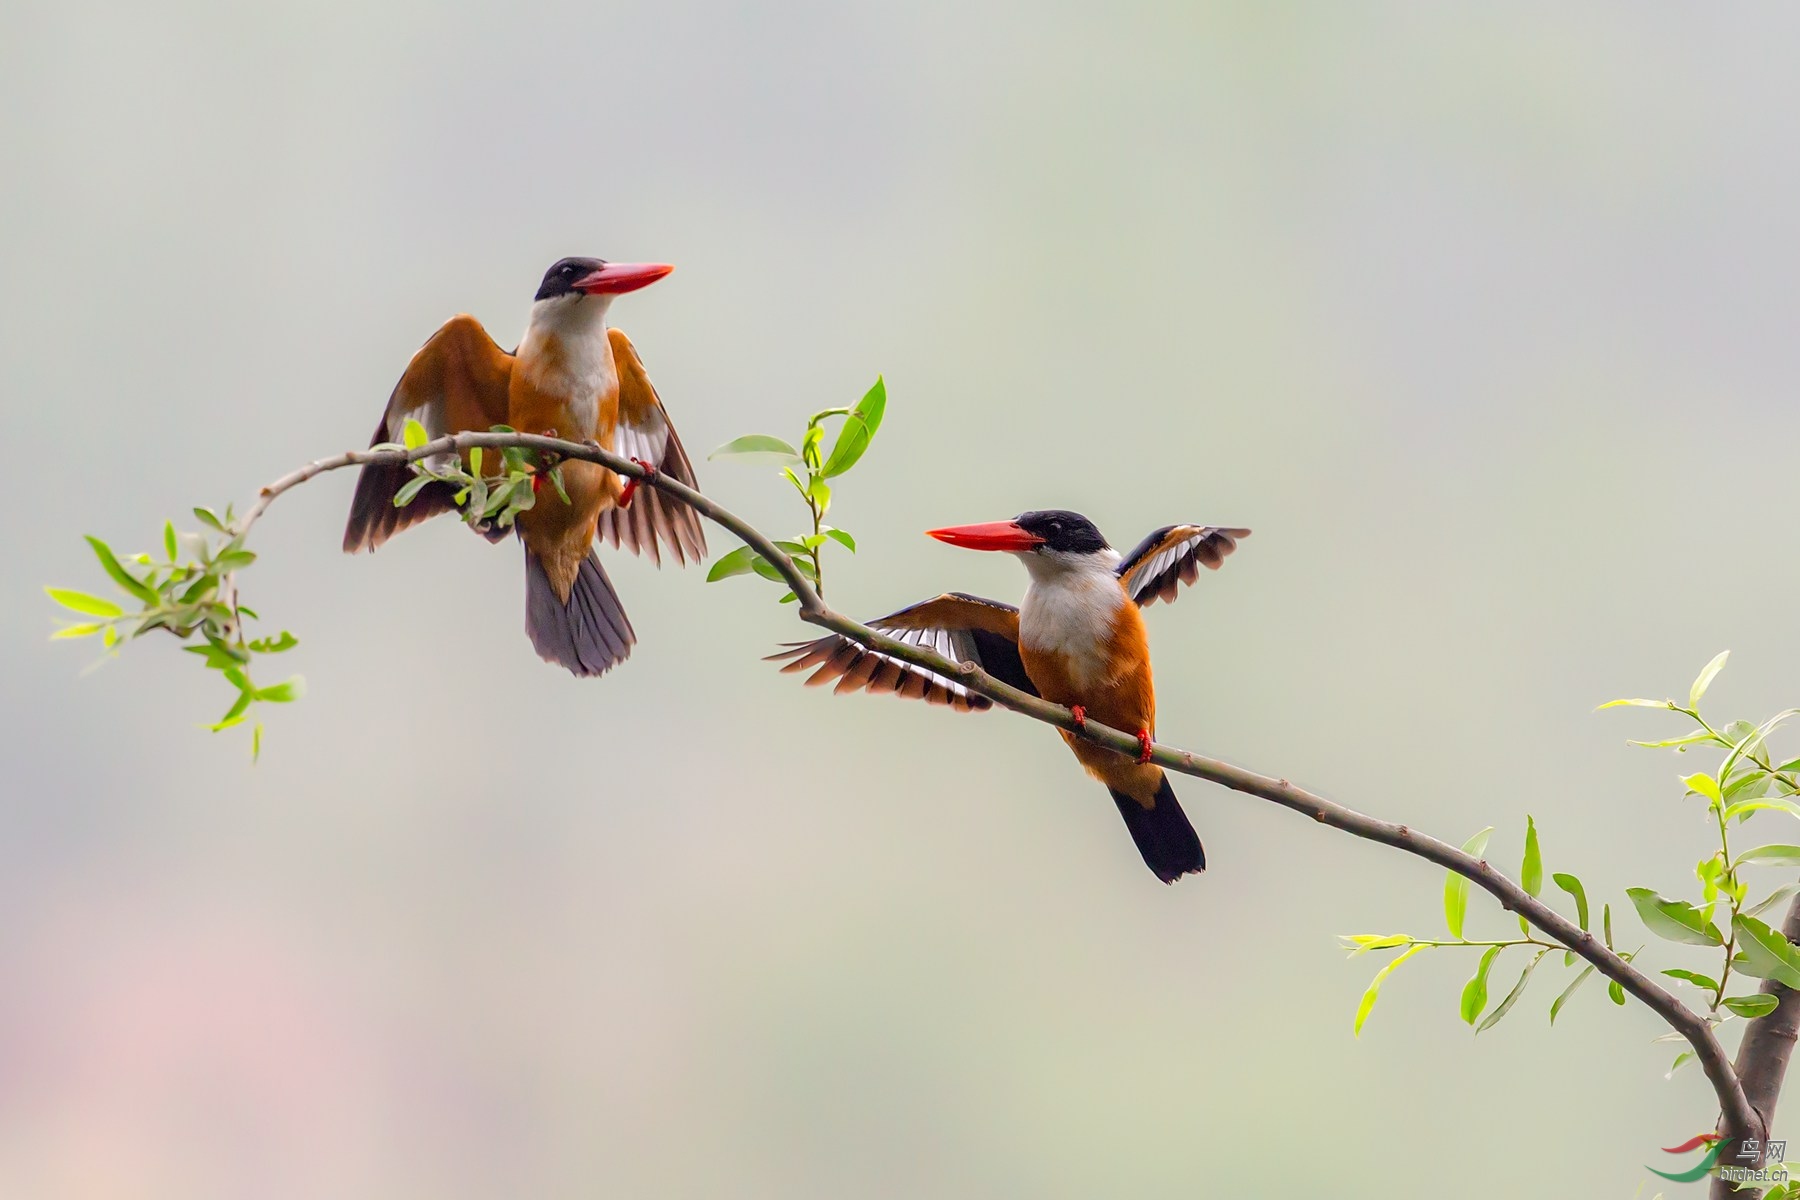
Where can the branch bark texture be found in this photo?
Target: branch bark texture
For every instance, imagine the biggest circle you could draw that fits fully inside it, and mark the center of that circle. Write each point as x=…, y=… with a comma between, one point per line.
x=1762, y=1059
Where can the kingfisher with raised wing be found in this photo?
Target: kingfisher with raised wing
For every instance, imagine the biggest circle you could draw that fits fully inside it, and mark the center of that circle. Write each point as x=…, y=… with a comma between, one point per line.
x=1078, y=640
x=574, y=378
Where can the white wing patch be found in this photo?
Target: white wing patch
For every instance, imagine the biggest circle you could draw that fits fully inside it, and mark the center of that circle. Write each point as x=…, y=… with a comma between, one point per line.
x=430, y=415
x=1176, y=559
x=645, y=442
x=957, y=645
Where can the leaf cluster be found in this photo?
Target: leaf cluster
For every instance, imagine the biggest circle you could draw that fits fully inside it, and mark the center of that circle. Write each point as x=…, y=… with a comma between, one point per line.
x=808, y=469
x=190, y=591
x=1748, y=781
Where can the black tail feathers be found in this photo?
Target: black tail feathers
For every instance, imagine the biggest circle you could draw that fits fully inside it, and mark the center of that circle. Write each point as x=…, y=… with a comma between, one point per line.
x=1163, y=835
x=589, y=634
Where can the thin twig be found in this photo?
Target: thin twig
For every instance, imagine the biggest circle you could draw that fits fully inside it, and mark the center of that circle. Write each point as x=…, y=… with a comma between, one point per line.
x=1738, y=1117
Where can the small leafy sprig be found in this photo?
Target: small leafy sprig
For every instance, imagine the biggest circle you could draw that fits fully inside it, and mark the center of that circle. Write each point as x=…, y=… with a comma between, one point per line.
x=807, y=469
x=484, y=501
x=191, y=592
x=1473, y=1002
x=1747, y=782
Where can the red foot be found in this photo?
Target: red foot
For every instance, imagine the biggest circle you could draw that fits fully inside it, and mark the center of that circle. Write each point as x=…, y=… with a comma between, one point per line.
x=1079, y=712
x=631, y=485
x=1143, y=736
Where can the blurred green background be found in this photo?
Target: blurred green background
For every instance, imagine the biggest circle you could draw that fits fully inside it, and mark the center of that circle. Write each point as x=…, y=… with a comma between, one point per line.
x=1482, y=317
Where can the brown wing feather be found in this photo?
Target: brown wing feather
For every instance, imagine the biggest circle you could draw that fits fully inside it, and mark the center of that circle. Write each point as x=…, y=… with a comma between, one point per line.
x=960, y=627
x=654, y=521
x=1172, y=556
x=457, y=381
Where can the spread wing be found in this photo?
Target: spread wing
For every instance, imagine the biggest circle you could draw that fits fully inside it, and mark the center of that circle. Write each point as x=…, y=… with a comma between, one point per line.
x=960, y=627
x=1172, y=556
x=655, y=520
x=457, y=381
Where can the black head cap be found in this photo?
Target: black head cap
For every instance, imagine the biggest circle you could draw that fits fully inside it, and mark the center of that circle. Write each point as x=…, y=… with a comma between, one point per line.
x=1068, y=532
x=560, y=279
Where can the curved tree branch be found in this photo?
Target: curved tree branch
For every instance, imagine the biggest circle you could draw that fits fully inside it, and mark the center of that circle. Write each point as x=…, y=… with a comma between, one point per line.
x=1739, y=1117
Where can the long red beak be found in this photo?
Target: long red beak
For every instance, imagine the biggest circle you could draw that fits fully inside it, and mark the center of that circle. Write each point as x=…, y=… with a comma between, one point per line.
x=995, y=535
x=614, y=278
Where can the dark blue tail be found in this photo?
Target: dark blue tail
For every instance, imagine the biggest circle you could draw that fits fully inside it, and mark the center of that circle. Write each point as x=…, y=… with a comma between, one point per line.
x=1163, y=835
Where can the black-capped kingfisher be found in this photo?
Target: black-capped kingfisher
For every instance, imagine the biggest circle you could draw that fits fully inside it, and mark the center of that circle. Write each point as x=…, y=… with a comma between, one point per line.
x=571, y=377
x=1078, y=640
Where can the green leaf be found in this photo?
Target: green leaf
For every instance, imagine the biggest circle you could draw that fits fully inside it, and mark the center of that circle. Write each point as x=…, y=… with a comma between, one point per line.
x=1637, y=704
x=125, y=579
x=842, y=538
x=284, y=692
x=1773, y=898
x=81, y=602
x=413, y=487
x=1616, y=993
x=1766, y=953
x=171, y=547
x=77, y=631
x=1703, y=784
x=787, y=598
x=1606, y=923
x=234, y=714
x=736, y=562
x=1531, y=874
x=256, y=741
x=556, y=481
x=210, y=519
x=1557, y=1004
x=1705, y=678
x=1748, y=785
x=1512, y=997
x=758, y=446
x=475, y=461
x=414, y=435
x=1674, y=920
x=234, y=560
x=859, y=429
x=766, y=569
x=1759, y=1005
x=1686, y=739
x=1572, y=885
x=819, y=492
x=1456, y=888
x=1704, y=982
x=1362, y=943
x=1475, y=992
x=1681, y=1060
x=1373, y=993
x=1772, y=855
x=1745, y=807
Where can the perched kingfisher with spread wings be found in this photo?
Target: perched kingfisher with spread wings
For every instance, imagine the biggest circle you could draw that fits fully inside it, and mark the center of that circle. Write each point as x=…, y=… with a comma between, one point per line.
x=1078, y=640
x=571, y=377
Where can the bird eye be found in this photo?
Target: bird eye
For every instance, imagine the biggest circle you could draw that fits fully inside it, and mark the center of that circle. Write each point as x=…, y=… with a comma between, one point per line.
x=568, y=269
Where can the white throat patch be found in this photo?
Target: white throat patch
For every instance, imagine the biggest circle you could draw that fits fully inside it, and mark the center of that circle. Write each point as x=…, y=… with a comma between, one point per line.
x=1070, y=610
x=580, y=364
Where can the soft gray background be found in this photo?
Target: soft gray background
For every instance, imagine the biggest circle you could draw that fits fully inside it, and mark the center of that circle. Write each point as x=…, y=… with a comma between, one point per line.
x=1483, y=318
